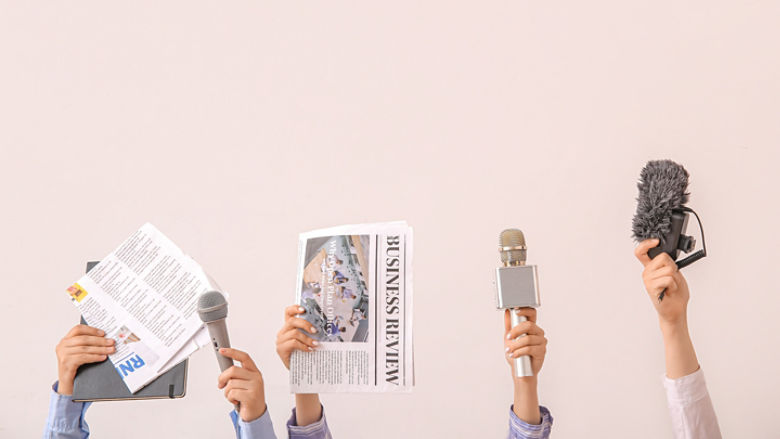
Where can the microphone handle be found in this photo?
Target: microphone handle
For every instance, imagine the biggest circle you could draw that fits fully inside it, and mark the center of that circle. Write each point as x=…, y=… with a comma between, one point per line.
x=220, y=339
x=523, y=362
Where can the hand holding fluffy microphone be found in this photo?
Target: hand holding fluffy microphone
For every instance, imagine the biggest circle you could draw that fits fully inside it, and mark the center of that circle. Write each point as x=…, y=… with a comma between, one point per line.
x=81, y=345
x=661, y=274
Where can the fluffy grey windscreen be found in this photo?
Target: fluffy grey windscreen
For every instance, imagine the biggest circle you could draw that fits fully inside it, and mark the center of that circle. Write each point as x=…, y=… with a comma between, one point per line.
x=212, y=306
x=662, y=188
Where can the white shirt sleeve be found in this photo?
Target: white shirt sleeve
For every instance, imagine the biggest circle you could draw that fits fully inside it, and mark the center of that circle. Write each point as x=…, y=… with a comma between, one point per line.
x=690, y=407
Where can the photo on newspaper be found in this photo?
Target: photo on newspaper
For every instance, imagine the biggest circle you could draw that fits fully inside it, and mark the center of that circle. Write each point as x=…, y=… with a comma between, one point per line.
x=355, y=285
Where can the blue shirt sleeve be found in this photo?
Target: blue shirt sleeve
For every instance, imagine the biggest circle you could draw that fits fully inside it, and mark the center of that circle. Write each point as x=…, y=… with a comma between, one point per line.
x=519, y=429
x=260, y=428
x=315, y=430
x=66, y=418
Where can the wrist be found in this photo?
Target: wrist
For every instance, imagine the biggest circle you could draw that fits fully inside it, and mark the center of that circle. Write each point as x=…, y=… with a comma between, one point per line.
x=253, y=415
x=65, y=382
x=526, y=384
x=673, y=328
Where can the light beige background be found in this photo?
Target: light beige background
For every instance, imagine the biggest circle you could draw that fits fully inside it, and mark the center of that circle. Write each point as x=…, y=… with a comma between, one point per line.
x=233, y=126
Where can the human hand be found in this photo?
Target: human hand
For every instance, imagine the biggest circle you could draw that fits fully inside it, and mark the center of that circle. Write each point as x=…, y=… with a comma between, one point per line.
x=662, y=275
x=290, y=339
x=243, y=385
x=81, y=345
x=533, y=343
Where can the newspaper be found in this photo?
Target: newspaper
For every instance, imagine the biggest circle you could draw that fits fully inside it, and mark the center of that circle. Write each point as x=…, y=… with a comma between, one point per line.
x=355, y=283
x=144, y=295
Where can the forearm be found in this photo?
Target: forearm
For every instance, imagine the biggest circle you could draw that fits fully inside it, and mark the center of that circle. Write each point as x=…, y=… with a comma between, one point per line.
x=678, y=349
x=308, y=408
x=526, y=405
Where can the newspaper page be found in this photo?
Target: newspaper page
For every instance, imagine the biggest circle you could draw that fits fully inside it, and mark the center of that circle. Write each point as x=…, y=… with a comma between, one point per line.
x=355, y=284
x=144, y=295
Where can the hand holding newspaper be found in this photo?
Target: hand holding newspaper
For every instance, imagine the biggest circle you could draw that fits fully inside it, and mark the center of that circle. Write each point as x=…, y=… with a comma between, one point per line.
x=355, y=283
x=144, y=295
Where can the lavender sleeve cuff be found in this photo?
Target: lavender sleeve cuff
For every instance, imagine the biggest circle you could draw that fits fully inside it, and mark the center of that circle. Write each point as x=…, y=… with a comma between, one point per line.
x=519, y=429
x=315, y=430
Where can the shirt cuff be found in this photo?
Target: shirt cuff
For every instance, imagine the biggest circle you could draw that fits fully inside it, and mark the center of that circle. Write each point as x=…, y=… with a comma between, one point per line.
x=519, y=429
x=685, y=390
x=260, y=428
x=64, y=414
x=315, y=430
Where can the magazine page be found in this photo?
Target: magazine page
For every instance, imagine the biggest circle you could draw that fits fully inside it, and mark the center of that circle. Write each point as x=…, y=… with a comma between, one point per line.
x=355, y=284
x=144, y=295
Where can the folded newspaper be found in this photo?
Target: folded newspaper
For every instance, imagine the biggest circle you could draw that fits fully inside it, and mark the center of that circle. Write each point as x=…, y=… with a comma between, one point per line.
x=355, y=284
x=144, y=295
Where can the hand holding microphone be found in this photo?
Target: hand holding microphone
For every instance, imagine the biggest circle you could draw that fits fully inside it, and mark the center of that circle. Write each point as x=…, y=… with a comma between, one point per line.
x=524, y=340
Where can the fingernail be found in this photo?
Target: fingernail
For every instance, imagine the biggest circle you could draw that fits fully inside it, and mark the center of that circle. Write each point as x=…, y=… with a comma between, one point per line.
x=508, y=336
x=300, y=309
x=509, y=355
x=310, y=349
x=313, y=330
x=101, y=333
x=315, y=343
x=507, y=349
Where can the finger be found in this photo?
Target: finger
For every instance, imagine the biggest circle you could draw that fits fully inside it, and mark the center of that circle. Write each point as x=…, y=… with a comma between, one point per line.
x=299, y=323
x=534, y=351
x=237, y=396
x=528, y=328
x=84, y=330
x=529, y=313
x=507, y=322
x=300, y=336
x=76, y=350
x=661, y=260
x=293, y=310
x=243, y=357
x=294, y=345
x=88, y=340
x=640, y=251
x=233, y=373
x=666, y=270
x=529, y=340
x=664, y=283
x=80, y=359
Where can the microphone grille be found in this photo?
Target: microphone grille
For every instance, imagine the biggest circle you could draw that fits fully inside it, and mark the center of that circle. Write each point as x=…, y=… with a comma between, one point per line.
x=212, y=306
x=511, y=243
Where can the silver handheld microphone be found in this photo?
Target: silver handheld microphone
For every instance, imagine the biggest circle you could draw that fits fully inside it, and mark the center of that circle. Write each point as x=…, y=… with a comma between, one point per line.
x=517, y=286
x=212, y=309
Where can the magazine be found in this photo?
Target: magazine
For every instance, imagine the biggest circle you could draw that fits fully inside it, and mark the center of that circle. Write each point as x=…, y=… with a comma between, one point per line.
x=144, y=295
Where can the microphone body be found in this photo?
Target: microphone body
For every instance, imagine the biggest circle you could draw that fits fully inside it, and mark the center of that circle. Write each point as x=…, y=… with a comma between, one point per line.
x=212, y=309
x=517, y=286
x=220, y=339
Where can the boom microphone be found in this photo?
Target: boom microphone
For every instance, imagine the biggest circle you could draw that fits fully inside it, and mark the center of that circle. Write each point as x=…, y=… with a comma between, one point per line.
x=516, y=286
x=661, y=212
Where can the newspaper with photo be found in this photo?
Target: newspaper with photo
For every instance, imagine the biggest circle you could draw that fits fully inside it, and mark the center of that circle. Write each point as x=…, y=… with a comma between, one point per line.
x=144, y=295
x=355, y=284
